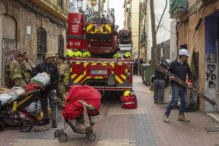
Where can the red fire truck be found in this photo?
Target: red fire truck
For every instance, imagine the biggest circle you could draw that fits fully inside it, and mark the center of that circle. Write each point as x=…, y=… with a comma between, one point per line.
x=89, y=32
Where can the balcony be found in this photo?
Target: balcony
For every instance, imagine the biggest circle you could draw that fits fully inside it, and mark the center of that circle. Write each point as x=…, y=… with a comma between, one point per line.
x=54, y=8
x=178, y=8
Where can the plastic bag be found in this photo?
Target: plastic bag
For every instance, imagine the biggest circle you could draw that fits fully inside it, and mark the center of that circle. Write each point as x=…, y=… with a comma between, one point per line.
x=34, y=107
x=4, y=98
x=32, y=86
x=41, y=79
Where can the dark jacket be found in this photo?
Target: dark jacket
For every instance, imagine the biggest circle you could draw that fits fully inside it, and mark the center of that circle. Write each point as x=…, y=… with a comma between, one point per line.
x=50, y=69
x=160, y=75
x=180, y=70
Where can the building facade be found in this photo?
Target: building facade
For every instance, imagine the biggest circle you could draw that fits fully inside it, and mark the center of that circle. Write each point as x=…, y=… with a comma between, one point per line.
x=163, y=31
x=198, y=31
x=34, y=26
x=135, y=14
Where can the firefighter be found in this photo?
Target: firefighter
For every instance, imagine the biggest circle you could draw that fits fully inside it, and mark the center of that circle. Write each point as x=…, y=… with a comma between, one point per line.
x=63, y=82
x=27, y=65
x=16, y=76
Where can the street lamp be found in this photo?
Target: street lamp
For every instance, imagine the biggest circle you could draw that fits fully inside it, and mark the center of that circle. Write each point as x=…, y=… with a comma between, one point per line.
x=79, y=5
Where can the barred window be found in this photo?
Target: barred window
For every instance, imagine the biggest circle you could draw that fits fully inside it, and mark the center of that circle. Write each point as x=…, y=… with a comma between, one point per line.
x=41, y=44
x=60, y=44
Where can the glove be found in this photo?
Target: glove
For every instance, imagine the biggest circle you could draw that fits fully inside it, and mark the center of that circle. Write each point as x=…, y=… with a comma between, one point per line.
x=172, y=78
x=190, y=85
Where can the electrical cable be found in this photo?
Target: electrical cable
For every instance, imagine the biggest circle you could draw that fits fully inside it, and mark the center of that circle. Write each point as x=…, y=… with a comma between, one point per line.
x=162, y=16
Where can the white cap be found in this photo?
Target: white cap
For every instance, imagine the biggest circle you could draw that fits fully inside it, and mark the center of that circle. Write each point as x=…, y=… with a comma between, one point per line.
x=183, y=52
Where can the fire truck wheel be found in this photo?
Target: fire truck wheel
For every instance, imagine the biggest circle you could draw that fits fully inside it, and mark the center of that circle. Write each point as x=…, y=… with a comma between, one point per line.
x=25, y=125
x=2, y=126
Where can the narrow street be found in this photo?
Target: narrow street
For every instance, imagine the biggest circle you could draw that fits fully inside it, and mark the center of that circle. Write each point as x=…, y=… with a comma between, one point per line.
x=116, y=126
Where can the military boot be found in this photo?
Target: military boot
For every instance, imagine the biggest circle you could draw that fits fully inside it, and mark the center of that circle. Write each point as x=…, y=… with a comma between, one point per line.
x=183, y=118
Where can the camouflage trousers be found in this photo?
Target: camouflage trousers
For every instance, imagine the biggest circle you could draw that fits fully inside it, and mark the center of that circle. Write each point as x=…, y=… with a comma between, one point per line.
x=19, y=83
x=60, y=100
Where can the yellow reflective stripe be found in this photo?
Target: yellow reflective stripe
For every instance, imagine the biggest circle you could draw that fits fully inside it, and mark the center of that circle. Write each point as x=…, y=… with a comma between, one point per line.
x=85, y=64
x=104, y=64
x=24, y=100
x=89, y=27
x=16, y=76
x=94, y=31
x=123, y=76
x=102, y=31
x=93, y=64
x=118, y=79
x=72, y=76
x=16, y=70
x=119, y=63
x=108, y=28
x=77, y=63
x=70, y=69
x=79, y=78
x=126, y=70
x=112, y=64
x=85, y=79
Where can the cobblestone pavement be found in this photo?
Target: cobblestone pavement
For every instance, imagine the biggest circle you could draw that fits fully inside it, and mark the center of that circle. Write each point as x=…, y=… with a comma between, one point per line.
x=127, y=127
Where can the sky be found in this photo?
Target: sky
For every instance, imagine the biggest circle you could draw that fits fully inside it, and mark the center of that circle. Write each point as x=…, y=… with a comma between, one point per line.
x=119, y=11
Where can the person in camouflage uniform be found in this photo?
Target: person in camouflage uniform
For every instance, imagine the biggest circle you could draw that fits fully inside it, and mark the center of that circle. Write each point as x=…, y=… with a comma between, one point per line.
x=63, y=70
x=27, y=65
x=16, y=76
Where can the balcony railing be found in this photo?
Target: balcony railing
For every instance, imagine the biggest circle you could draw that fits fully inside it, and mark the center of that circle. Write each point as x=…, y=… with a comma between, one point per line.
x=63, y=9
x=178, y=8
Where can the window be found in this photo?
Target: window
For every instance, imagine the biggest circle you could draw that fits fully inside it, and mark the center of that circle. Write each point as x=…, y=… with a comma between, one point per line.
x=41, y=44
x=60, y=44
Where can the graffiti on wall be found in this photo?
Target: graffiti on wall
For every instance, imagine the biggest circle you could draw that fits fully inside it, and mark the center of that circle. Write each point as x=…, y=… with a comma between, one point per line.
x=9, y=54
x=211, y=75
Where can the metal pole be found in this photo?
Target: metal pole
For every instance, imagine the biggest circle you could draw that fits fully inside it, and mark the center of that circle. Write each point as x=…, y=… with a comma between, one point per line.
x=139, y=36
x=155, y=59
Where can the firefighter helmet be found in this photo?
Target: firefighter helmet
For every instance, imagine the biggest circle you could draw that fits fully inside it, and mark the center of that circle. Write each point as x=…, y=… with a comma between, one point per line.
x=69, y=54
x=116, y=56
x=78, y=54
x=127, y=93
x=87, y=54
x=128, y=55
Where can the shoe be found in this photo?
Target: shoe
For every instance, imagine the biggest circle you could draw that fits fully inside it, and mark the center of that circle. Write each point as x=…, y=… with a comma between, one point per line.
x=155, y=102
x=54, y=125
x=183, y=118
x=166, y=119
x=161, y=102
x=44, y=122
